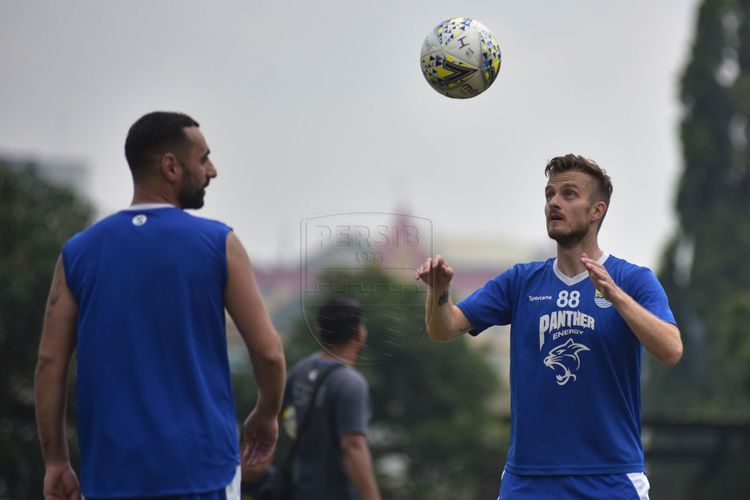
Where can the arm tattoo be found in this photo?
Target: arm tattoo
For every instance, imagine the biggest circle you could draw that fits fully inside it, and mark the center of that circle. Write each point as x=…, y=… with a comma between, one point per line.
x=443, y=299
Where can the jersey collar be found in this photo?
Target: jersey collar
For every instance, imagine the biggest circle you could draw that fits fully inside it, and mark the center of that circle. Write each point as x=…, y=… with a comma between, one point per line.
x=147, y=206
x=570, y=281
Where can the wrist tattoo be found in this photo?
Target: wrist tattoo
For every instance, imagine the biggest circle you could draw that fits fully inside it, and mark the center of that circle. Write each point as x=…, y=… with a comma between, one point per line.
x=443, y=299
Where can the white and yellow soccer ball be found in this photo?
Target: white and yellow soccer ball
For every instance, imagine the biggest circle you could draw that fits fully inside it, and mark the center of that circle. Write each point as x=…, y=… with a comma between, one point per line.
x=460, y=58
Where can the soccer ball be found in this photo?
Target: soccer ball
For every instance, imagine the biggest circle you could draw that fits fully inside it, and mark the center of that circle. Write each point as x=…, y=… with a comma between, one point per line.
x=460, y=58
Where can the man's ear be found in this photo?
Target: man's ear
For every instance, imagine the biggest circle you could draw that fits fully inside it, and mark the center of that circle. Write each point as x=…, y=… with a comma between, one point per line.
x=361, y=335
x=598, y=211
x=170, y=167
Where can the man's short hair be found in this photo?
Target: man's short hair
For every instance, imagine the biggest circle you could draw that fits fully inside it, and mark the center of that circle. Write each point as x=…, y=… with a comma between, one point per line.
x=153, y=135
x=568, y=162
x=338, y=321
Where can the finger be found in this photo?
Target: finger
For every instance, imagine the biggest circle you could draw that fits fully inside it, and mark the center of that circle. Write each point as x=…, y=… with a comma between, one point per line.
x=588, y=262
x=260, y=454
x=601, y=273
x=590, y=267
x=425, y=266
x=264, y=455
x=260, y=446
x=249, y=454
x=423, y=272
x=433, y=265
x=597, y=278
x=75, y=491
x=444, y=274
x=596, y=269
x=426, y=270
x=438, y=261
x=594, y=276
x=604, y=287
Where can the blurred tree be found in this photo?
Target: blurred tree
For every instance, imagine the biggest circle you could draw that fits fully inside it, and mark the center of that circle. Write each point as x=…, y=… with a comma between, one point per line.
x=433, y=434
x=35, y=220
x=705, y=268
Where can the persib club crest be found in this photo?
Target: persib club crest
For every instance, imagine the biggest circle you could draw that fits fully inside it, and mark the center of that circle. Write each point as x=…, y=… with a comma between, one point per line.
x=369, y=257
x=601, y=301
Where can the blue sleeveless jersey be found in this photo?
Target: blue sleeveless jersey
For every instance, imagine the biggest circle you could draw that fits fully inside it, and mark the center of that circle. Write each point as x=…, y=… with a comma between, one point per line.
x=156, y=415
x=574, y=366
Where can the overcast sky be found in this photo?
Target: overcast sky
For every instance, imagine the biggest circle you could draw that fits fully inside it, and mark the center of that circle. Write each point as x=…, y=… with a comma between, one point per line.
x=313, y=108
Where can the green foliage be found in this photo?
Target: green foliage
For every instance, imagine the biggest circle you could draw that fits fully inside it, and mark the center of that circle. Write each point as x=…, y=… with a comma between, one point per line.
x=705, y=269
x=736, y=313
x=35, y=221
x=708, y=291
x=431, y=410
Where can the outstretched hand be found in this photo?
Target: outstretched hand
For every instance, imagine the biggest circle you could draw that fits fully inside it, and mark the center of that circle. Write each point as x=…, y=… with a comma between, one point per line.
x=436, y=273
x=61, y=483
x=600, y=278
x=261, y=433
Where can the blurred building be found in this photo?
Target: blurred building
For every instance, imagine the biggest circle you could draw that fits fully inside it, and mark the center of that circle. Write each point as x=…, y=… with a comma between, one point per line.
x=475, y=259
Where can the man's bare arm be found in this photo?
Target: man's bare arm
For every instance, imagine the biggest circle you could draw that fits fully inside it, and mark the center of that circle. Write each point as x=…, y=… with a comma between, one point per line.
x=444, y=320
x=55, y=351
x=245, y=306
x=358, y=465
x=660, y=338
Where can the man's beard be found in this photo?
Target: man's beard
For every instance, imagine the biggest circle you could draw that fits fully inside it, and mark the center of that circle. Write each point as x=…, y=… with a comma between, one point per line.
x=190, y=195
x=571, y=237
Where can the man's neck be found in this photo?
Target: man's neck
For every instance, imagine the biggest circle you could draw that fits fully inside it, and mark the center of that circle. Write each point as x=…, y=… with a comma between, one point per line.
x=347, y=354
x=147, y=196
x=569, y=258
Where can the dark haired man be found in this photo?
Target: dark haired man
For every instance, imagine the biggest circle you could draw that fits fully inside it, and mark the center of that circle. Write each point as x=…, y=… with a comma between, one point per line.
x=332, y=458
x=578, y=324
x=140, y=296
